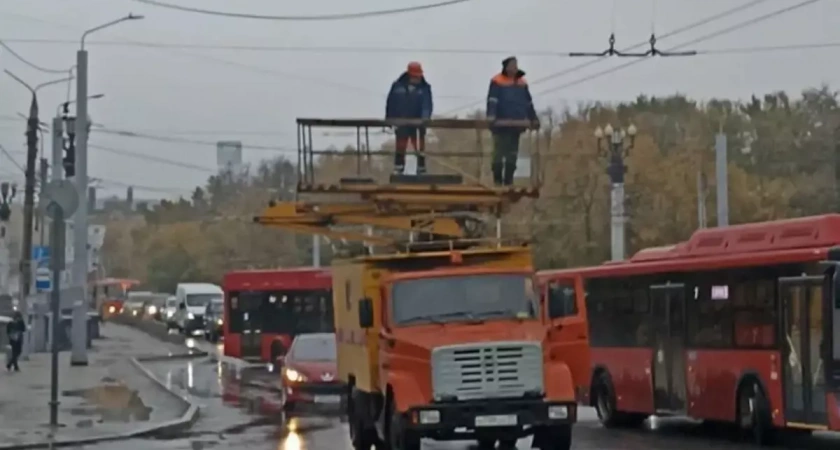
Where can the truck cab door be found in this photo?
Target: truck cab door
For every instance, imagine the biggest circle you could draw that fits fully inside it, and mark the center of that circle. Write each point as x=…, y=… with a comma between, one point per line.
x=567, y=333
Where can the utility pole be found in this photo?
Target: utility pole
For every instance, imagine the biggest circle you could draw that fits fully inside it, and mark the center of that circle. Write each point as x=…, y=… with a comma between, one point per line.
x=79, y=272
x=722, y=174
x=78, y=356
x=26, y=269
x=616, y=149
x=43, y=182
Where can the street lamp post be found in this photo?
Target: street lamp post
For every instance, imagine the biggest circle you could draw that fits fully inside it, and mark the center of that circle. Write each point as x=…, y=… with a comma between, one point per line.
x=26, y=269
x=80, y=224
x=616, y=144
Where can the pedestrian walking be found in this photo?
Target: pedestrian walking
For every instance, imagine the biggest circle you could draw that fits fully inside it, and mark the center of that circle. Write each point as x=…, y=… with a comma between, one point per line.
x=410, y=98
x=14, y=331
x=508, y=99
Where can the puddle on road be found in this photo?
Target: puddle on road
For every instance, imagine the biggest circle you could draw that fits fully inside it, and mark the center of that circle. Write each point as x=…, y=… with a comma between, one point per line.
x=111, y=401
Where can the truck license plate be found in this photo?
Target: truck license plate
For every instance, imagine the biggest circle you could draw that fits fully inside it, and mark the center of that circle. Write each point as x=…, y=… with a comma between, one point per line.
x=331, y=399
x=505, y=420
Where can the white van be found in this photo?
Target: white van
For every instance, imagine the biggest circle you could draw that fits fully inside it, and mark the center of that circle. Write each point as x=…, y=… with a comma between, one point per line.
x=192, y=301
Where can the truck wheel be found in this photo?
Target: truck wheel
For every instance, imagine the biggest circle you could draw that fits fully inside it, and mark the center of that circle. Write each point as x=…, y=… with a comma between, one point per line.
x=558, y=437
x=486, y=444
x=400, y=437
x=507, y=444
x=362, y=437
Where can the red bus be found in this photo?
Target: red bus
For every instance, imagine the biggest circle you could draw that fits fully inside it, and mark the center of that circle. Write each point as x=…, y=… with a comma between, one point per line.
x=265, y=310
x=109, y=294
x=738, y=324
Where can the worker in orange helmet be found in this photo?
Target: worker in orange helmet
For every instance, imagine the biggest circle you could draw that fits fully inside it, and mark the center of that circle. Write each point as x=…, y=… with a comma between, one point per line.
x=410, y=98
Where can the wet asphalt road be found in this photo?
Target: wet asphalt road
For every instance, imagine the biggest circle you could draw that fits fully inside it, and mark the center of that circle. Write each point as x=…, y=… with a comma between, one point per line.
x=237, y=414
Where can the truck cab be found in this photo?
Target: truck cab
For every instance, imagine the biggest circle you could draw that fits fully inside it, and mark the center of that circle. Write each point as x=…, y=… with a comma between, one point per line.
x=456, y=350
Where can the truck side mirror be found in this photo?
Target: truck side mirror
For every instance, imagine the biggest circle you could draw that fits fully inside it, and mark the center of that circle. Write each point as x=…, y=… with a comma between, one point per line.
x=182, y=305
x=365, y=313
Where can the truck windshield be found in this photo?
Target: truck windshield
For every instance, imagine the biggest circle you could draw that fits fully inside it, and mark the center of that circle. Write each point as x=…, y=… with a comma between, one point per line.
x=463, y=298
x=202, y=299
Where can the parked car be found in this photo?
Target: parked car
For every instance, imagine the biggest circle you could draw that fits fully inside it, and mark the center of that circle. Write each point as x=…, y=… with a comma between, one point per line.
x=309, y=373
x=214, y=320
x=169, y=312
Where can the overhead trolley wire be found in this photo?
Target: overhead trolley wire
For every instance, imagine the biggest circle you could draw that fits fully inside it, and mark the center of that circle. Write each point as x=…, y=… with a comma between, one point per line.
x=321, y=17
x=677, y=31
x=706, y=37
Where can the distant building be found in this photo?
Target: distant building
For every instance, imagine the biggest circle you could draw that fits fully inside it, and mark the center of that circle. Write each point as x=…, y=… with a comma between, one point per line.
x=229, y=156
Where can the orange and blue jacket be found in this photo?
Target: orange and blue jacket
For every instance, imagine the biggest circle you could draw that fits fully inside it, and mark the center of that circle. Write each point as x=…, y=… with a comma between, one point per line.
x=408, y=101
x=510, y=99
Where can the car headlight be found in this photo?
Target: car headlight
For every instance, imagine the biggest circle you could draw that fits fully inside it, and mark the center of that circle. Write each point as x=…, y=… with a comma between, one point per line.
x=169, y=314
x=190, y=316
x=112, y=310
x=152, y=310
x=294, y=376
x=220, y=321
x=134, y=312
x=558, y=412
x=429, y=417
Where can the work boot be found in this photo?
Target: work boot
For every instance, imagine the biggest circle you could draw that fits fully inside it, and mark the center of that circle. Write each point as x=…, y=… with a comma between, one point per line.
x=421, y=165
x=497, y=174
x=510, y=169
x=399, y=163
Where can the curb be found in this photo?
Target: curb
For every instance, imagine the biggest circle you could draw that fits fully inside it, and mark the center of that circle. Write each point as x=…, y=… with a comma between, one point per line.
x=186, y=421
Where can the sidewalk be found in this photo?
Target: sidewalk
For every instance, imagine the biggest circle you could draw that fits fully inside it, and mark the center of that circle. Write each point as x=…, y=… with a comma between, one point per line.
x=110, y=396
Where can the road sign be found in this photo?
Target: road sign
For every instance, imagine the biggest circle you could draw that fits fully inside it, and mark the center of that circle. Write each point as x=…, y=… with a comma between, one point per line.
x=62, y=193
x=41, y=255
x=43, y=282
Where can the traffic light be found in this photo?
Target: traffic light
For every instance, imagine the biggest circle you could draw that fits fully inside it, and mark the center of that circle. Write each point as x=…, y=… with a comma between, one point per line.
x=69, y=161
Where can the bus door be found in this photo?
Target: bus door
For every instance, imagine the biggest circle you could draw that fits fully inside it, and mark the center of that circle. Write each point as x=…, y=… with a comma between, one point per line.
x=668, y=325
x=832, y=330
x=802, y=342
x=246, y=308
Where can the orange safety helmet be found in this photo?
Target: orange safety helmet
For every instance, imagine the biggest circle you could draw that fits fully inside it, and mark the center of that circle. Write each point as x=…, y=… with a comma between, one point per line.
x=414, y=69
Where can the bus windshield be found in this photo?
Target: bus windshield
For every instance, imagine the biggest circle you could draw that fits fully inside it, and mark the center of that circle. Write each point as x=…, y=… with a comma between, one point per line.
x=459, y=298
x=202, y=299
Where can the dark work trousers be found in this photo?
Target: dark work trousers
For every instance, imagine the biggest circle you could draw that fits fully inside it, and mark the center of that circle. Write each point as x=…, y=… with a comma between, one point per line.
x=17, y=346
x=505, y=154
x=417, y=138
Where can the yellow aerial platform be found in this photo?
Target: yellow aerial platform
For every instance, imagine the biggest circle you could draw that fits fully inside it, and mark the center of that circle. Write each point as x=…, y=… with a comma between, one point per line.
x=429, y=207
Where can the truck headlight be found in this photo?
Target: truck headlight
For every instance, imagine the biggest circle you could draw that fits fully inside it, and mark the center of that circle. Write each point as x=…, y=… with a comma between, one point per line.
x=429, y=417
x=558, y=412
x=152, y=310
x=190, y=316
x=219, y=321
x=112, y=310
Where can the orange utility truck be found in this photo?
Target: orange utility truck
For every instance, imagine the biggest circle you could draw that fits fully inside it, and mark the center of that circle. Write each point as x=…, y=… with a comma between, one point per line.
x=442, y=335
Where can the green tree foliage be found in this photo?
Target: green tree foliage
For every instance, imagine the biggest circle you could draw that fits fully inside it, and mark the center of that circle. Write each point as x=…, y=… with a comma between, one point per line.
x=784, y=161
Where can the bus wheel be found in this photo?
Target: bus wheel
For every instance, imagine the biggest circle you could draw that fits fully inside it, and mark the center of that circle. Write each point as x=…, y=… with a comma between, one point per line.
x=486, y=444
x=754, y=414
x=605, y=405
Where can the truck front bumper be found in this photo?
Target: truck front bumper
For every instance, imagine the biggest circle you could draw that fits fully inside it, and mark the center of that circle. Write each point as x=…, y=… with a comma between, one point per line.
x=493, y=417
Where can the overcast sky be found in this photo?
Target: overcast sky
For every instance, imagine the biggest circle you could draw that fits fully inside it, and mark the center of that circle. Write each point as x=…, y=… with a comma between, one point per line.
x=254, y=96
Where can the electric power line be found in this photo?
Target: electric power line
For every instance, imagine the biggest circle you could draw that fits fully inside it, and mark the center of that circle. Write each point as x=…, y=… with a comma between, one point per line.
x=151, y=158
x=11, y=158
x=178, y=140
x=706, y=37
x=323, y=17
x=30, y=63
x=399, y=50
x=677, y=31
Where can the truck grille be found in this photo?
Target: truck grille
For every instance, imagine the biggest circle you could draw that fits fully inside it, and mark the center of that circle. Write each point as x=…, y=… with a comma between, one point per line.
x=487, y=370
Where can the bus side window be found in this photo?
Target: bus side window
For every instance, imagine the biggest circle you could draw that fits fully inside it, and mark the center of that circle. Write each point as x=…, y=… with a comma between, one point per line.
x=561, y=300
